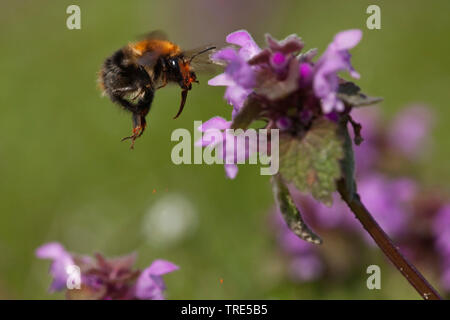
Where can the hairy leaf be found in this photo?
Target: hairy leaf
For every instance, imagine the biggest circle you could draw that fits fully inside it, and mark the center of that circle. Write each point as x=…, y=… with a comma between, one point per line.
x=352, y=96
x=312, y=162
x=348, y=162
x=290, y=212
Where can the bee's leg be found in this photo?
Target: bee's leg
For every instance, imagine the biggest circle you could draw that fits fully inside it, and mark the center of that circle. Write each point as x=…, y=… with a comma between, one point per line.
x=163, y=74
x=139, y=125
x=139, y=106
x=164, y=83
x=123, y=90
x=138, y=128
x=139, y=114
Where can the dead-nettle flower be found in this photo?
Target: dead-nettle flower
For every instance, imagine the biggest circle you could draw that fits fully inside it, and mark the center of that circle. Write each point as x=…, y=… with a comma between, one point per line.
x=286, y=89
x=310, y=106
x=100, y=278
x=305, y=100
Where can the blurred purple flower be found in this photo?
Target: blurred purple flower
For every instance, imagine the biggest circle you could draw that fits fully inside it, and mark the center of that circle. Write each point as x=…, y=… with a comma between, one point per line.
x=150, y=285
x=61, y=260
x=441, y=230
x=336, y=58
x=284, y=123
x=307, y=267
x=305, y=263
x=445, y=277
x=410, y=129
x=387, y=201
x=289, y=241
x=105, y=279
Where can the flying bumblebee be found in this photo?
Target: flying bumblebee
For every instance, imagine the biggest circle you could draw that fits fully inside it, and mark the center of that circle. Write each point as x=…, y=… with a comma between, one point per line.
x=133, y=73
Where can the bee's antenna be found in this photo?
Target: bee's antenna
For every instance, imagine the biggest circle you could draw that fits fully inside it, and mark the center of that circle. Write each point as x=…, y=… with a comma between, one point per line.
x=201, y=52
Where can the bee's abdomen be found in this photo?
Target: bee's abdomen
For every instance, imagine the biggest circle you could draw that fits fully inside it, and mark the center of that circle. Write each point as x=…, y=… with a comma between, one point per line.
x=125, y=82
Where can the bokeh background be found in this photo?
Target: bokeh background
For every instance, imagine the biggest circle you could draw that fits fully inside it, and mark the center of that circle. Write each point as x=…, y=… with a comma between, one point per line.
x=65, y=176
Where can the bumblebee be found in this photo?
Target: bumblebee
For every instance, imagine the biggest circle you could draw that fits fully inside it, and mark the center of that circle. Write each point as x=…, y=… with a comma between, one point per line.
x=133, y=73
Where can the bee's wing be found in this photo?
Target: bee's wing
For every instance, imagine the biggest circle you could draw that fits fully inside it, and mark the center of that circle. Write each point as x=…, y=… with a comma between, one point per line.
x=202, y=62
x=149, y=59
x=154, y=35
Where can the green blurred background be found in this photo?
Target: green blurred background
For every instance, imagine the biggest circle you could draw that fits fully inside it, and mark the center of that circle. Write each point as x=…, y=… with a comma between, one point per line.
x=66, y=177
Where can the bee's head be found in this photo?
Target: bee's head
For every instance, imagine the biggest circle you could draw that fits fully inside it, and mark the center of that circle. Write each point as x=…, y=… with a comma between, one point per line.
x=179, y=70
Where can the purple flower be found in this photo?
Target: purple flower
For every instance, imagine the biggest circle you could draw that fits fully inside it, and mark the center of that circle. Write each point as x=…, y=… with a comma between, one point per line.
x=319, y=215
x=306, y=73
x=410, y=129
x=336, y=58
x=150, y=285
x=239, y=76
x=278, y=61
x=336, y=216
x=283, y=123
x=305, y=263
x=445, y=277
x=441, y=230
x=289, y=90
x=306, y=267
x=61, y=260
x=278, y=53
x=232, y=148
x=387, y=200
x=105, y=279
x=289, y=241
x=242, y=38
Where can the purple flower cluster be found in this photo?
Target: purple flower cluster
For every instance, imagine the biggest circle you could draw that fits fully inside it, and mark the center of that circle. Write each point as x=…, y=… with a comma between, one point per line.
x=104, y=279
x=416, y=219
x=292, y=89
x=441, y=229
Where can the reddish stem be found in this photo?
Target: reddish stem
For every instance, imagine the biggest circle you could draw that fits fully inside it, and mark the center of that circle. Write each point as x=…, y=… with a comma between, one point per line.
x=414, y=277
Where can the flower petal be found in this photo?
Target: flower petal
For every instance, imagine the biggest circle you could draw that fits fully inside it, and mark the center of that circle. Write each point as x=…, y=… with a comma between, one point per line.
x=221, y=80
x=226, y=54
x=61, y=260
x=242, y=38
x=160, y=267
x=231, y=170
x=218, y=123
x=347, y=39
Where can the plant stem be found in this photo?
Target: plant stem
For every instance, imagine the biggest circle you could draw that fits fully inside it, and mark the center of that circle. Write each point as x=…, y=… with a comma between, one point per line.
x=414, y=277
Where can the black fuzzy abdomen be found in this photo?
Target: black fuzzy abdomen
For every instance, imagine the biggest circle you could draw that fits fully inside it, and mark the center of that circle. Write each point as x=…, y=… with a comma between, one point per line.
x=122, y=79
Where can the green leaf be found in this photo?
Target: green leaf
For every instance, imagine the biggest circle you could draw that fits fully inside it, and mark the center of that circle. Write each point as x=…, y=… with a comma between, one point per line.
x=290, y=212
x=348, y=162
x=352, y=96
x=312, y=163
x=248, y=113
